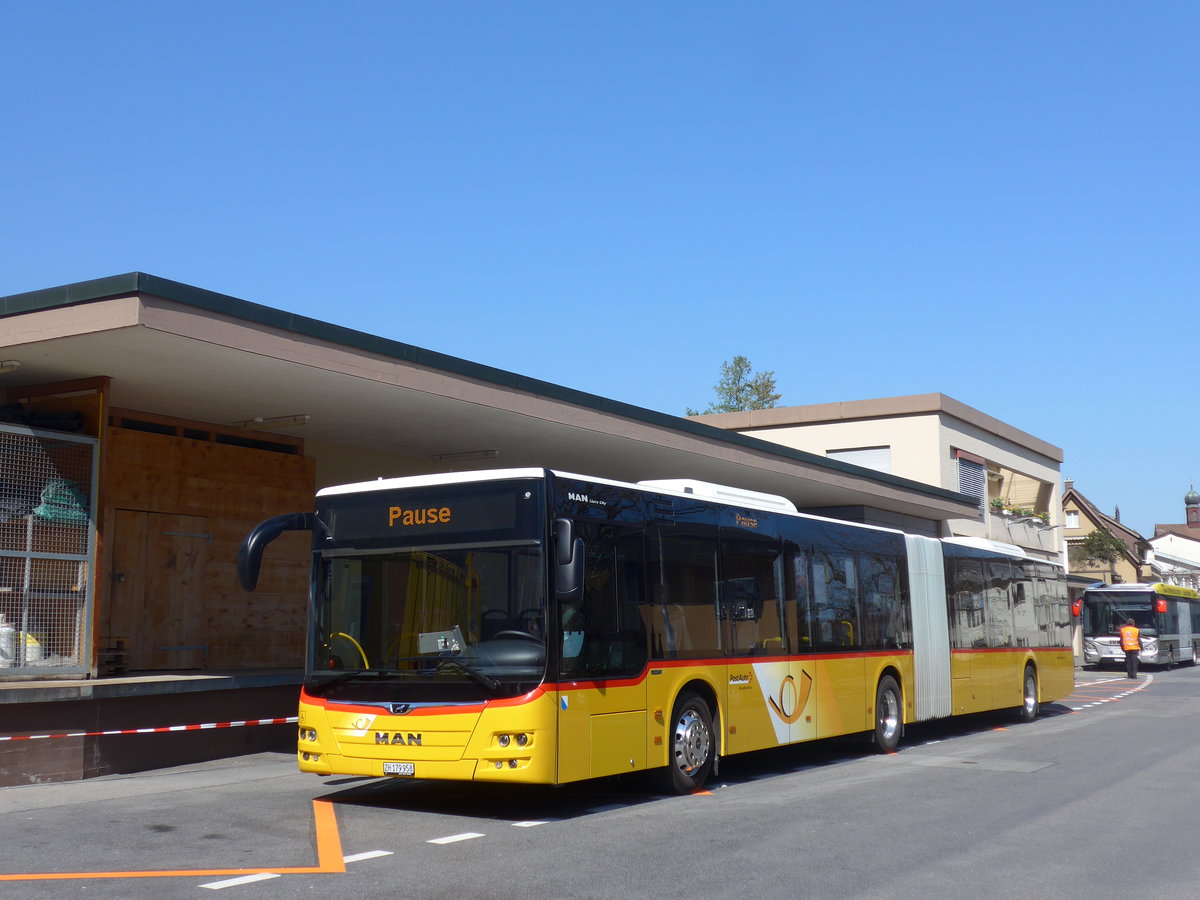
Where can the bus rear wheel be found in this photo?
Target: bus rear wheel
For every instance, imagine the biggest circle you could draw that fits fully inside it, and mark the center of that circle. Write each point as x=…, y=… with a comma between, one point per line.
x=691, y=746
x=1030, y=707
x=889, y=719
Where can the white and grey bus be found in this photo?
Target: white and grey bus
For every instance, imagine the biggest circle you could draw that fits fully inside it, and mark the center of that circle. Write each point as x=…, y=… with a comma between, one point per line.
x=1167, y=616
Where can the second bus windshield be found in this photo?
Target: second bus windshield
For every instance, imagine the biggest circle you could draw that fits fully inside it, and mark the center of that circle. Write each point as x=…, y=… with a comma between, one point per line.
x=1104, y=614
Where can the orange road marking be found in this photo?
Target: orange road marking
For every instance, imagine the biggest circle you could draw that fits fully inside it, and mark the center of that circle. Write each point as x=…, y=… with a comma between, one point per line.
x=329, y=858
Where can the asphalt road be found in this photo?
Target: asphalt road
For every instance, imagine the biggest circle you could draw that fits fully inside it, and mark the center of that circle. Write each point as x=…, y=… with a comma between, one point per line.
x=1096, y=799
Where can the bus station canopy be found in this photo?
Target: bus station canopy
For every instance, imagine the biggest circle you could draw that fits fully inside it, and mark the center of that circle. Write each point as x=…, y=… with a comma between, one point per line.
x=368, y=406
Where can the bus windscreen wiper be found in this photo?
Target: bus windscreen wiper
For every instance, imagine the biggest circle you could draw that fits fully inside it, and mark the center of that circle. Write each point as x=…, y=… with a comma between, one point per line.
x=471, y=672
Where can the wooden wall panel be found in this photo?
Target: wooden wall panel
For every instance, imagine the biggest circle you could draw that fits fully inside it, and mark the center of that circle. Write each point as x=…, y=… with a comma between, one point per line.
x=232, y=489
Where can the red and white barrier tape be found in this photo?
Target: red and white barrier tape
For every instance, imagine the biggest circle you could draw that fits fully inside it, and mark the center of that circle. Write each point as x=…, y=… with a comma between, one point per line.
x=165, y=729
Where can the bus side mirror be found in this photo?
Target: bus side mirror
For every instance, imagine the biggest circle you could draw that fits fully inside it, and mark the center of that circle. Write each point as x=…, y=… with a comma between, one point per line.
x=568, y=560
x=249, y=560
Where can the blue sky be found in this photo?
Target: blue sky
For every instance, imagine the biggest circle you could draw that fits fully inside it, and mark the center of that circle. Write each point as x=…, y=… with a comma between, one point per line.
x=994, y=201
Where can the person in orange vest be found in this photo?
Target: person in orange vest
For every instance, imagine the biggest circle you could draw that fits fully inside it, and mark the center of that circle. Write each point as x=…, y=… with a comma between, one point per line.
x=1131, y=643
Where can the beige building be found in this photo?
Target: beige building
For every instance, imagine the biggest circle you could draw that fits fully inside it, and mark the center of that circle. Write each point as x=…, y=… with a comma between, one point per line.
x=1080, y=518
x=937, y=440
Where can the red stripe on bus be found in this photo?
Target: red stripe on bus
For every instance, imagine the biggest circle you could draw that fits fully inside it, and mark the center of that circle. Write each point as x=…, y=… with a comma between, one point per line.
x=1035, y=650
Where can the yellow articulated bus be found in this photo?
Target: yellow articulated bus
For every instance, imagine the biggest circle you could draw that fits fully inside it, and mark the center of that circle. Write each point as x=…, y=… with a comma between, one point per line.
x=532, y=626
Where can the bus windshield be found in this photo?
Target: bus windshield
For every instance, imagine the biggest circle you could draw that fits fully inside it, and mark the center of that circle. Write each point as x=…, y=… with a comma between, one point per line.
x=1105, y=613
x=432, y=594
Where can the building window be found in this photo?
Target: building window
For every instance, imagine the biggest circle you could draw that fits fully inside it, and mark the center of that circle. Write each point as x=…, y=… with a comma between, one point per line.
x=1071, y=518
x=877, y=458
x=972, y=476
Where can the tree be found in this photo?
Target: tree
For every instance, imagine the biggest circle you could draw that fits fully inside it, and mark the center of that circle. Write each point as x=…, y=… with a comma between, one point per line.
x=1100, y=544
x=739, y=390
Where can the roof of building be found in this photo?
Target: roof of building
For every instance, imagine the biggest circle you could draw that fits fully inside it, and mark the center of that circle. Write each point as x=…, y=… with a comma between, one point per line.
x=1126, y=535
x=879, y=408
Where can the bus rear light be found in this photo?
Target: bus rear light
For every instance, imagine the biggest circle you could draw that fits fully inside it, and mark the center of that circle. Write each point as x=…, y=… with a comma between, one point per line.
x=1160, y=604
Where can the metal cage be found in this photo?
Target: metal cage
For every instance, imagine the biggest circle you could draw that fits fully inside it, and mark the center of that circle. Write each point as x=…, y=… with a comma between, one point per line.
x=47, y=549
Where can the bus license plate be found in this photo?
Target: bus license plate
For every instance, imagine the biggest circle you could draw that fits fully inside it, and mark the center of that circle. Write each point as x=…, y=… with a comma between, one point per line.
x=399, y=768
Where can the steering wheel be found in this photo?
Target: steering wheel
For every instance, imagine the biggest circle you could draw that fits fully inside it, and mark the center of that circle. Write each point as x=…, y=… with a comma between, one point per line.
x=517, y=634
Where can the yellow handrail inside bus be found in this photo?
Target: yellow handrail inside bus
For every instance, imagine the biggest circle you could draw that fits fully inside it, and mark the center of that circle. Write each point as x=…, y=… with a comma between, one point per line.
x=357, y=646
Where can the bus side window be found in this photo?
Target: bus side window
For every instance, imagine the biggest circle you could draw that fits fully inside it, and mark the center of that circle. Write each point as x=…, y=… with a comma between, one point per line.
x=884, y=614
x=750, y=596
x=604, y=632
x=965, y=580
x=1024, y=631
x=799, y=596
x=682, y=573
x=835, y=600
x=999, y=604
x=1168, y=622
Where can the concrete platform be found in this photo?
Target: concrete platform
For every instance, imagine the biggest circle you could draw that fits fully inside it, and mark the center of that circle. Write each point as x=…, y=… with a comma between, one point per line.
x=54, y=730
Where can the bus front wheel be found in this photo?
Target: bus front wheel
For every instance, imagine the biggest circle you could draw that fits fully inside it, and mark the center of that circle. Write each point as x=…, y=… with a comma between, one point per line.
x=691, y=745
x=889, y=718
x=1030, y=707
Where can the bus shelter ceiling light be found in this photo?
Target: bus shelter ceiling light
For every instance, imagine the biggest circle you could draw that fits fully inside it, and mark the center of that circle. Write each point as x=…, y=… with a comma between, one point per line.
x=8, y=366
x=273, y=421
x=465, y=455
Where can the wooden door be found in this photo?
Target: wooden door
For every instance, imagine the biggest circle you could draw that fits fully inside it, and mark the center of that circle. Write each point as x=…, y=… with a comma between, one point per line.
x=156, y=602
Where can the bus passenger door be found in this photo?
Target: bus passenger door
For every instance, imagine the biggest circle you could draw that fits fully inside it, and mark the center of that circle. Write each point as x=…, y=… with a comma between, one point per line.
x=1184, y=611
x=968, y=635
x=789, y=687
x=760, y=696
x=602, y=649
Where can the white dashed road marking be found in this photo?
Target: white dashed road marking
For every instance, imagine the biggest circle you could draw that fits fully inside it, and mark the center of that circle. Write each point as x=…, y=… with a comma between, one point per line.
x=454, y=838
x=370, y=854
x=234, y=882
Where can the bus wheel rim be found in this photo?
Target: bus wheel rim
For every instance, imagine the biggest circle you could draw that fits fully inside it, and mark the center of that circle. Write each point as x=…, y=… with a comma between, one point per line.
x=889, y=715
x=692, y=740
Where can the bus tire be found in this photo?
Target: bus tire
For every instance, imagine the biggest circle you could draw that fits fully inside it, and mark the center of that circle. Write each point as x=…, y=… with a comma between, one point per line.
x=691, y=746
x=889, y=715
x=1030, y=706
